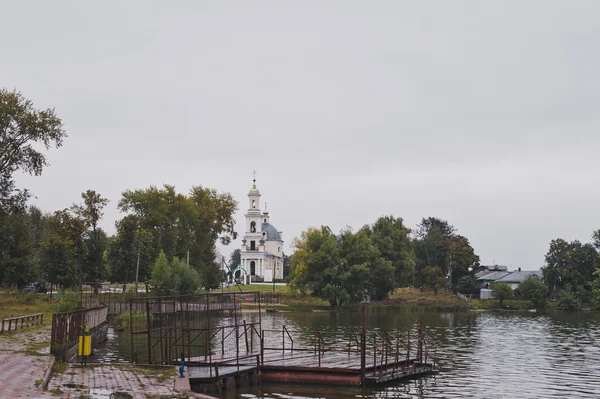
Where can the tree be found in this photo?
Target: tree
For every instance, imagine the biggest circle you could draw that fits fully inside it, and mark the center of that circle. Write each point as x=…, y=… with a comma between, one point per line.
x=188, y=278
x=391, y=238
x=501, y=291
x=173, y=278
x=287, y=266
x=430, y=250
x=596, y=239
x=571, y=266
x=63, y=249
x=235, y=259
x=437, y=244
x=164, y=279
x=534, y=290
x=433, y=277
x=595, y=297
x=568, y=301
x=23, y=129
x=180, y=223
x=467, y=285
x=130, y=240
x=461, y=258
x=19, y=246
x=90, y=212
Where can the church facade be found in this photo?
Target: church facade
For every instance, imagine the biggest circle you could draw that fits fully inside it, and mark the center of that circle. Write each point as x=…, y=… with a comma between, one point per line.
x=262, y=245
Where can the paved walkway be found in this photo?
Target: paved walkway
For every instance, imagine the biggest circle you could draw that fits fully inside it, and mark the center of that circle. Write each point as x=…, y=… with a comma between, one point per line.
x=102, y=380
x=19, y=373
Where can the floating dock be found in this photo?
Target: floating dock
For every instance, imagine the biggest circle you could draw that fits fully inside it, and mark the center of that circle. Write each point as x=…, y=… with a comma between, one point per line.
x=216, y=356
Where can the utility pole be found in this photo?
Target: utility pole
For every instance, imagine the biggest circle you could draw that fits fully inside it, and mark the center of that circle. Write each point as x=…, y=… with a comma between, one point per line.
x=137, y=271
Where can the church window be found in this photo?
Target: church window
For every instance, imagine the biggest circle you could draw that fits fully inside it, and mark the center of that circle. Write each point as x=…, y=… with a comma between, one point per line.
x=252, y=245
x=265, y=220
x=278, y=249
x=253, y=227
x=253, y=204
x=252, y=268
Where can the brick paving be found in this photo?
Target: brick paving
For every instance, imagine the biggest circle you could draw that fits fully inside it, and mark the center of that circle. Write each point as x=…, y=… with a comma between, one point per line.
x=18, y=373
x=79, y=382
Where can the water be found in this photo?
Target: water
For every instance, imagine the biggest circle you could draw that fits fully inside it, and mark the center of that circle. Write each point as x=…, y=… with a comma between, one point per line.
x=481, y=355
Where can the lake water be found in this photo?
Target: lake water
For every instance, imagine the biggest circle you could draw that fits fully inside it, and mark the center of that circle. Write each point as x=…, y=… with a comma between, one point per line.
x=481, y=355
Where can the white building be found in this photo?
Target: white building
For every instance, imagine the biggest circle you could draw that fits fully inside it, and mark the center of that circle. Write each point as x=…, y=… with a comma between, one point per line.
x=262, y=246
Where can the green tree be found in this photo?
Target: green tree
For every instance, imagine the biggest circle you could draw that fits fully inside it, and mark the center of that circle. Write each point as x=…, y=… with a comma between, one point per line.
x=467, y=285
x=164, y=280
x=433, y=278
x=596, y=239
x=287, y=266
x=568, y=301
x=19, y=247
x=63, y=249
x=501, y=291
x=340, y=269
x=391, y=238
x=130, y=240
x=180, y=223
x=437, y=244
x=571, y=266
x=534, y=290
x=90, y=212
x=430, y=250
x=23, y=129
x=595, y=297
x=235, y=259
x=188, y=278
x=173, y=278
x=461, y=258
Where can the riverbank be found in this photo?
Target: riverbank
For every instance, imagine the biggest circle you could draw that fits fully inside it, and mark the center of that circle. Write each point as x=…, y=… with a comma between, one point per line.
x=411, y=299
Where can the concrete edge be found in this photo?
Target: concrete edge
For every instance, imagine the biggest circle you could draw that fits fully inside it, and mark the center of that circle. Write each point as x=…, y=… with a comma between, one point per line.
x=46, y=380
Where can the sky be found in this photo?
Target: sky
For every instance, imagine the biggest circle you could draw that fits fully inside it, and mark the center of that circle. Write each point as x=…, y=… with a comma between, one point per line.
x=486, y=114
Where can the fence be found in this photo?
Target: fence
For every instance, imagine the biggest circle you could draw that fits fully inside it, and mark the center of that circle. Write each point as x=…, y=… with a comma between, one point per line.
x=67, y=327
x=24, y=321
x=165, y=329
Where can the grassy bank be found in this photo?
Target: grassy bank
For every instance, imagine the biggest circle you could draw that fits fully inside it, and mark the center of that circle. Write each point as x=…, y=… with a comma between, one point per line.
x=489, y=304
x=411, y=299
x=416, y=300
x=21, y=304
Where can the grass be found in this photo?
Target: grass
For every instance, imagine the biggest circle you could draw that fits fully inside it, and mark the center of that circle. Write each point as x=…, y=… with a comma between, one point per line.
x=415, y=299
x=59, y=368
x=21, y=304
x=260, y=287
x=34, y=348
x=160, y=374
x=124, y=319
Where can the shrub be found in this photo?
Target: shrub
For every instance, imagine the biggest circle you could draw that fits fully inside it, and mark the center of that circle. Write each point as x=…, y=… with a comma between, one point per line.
x=568, y=301
x=534, y=290
x=501, y=291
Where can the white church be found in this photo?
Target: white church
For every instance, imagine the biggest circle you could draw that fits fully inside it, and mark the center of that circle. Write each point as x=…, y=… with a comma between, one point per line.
x=262, y=246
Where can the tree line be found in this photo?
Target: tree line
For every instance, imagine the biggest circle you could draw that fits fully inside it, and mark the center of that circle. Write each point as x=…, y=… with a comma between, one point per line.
x=68, y=247
x=342, y=268
x=572, y=272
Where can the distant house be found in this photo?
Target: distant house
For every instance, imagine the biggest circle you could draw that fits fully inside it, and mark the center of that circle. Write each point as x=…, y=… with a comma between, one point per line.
x=491, y=268
x=515, y=279
x=486, y=279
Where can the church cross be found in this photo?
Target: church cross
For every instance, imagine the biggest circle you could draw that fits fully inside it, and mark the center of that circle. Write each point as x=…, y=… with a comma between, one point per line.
x=254, y=173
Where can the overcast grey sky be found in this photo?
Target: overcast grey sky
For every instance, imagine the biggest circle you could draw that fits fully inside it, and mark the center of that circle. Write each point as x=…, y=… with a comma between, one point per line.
x=483, y=113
